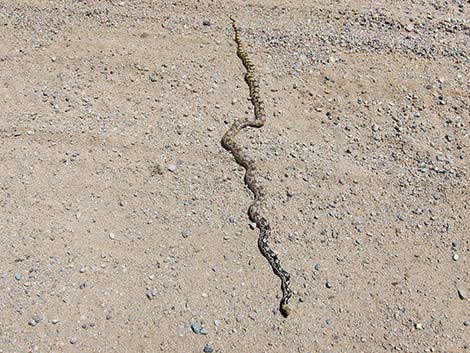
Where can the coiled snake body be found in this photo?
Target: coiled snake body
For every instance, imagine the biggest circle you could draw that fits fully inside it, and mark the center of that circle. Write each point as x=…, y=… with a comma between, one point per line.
x=229, y=143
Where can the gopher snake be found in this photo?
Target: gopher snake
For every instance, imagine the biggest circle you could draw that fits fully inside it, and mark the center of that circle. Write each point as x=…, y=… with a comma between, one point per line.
x=228, y=142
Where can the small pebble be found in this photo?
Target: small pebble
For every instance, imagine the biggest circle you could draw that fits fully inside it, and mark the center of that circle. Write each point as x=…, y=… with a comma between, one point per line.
x=112, y=236
x=328, y=284
x=466, y=323
x=186, y=232
x=18, y=276
x=203, y=331
x=208, y=349
x=419, y=326
x=37, y=318
x=196, y=327
x=32, y=322
x=462, y=294
x=73, y=340
x=206, y=23
x=317, y=267
x=303, y=57
x=455, y=257
x=153, y=78
x=151, y=294
x=172, y=168
x=55, y=321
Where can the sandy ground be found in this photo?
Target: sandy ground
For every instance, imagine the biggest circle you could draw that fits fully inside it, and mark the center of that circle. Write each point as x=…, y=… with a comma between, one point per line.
x=123, y=223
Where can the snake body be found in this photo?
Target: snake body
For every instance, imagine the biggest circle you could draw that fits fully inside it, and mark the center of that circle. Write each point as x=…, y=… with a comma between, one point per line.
x=229, y=143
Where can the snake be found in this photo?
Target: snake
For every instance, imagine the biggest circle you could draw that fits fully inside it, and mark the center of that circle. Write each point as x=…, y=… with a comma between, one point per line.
x=249, y=164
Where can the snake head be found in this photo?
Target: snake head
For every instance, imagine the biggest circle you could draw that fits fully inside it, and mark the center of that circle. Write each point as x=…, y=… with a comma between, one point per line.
x=285, y=310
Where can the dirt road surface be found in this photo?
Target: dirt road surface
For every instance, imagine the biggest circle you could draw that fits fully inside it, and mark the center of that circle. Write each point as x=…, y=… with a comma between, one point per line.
x=123, y=224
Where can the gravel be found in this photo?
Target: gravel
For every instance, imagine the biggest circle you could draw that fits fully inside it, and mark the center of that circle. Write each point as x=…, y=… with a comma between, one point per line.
x=37, y=318
x=151, y=294
x=208, y=349
x=186, y=232
x=197, y=327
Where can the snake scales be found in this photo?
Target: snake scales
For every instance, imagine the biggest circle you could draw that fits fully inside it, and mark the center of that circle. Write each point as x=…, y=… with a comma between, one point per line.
x=250, y=165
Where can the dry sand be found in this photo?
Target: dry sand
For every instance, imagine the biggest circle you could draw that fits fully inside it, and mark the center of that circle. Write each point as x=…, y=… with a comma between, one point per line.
x=123, y=220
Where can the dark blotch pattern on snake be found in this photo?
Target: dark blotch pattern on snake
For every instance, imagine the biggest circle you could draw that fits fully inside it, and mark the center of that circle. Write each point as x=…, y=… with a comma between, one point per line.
x=229, y=143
